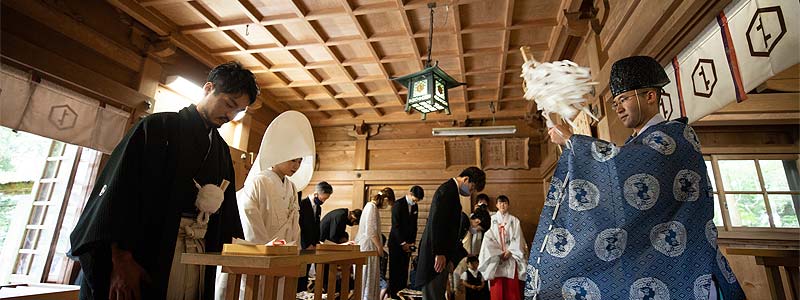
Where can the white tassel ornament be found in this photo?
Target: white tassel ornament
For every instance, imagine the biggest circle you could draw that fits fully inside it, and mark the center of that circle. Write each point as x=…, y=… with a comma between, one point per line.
x=209, y=199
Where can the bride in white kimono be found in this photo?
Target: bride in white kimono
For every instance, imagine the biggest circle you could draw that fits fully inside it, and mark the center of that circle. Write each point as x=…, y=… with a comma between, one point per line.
x=369, y=238
x=268, y=203
x=502, y=255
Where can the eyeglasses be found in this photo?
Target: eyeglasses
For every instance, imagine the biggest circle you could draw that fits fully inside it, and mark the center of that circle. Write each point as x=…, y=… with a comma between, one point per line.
x=621, y=99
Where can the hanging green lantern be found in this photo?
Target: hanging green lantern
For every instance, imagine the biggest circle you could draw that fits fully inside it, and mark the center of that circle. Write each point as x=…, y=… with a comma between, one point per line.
x=428, y=90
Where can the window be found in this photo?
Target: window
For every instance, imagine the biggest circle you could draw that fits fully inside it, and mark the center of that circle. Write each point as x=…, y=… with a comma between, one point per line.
x=43, y=187
x=755, y=191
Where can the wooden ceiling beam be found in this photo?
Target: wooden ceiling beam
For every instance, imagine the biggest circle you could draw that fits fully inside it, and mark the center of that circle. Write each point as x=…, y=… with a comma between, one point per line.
x=234, y=39
x=402, y=117
x=336, y=61
x=148, y=3
x=508, y=17
x=79, y=32
x=250, y=11
x=462, y=69
x=187, y=43
x=346, y=5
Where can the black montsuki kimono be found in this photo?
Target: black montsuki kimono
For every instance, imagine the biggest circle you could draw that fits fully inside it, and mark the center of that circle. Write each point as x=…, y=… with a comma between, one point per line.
x=141, y=194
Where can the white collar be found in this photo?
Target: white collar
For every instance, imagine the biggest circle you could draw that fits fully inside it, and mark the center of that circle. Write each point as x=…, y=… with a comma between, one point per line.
x=653, y=121
x=473, y=272
x=410, y=202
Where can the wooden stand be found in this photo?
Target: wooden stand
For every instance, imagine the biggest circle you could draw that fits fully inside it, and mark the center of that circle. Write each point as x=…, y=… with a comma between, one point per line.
x=263, y=272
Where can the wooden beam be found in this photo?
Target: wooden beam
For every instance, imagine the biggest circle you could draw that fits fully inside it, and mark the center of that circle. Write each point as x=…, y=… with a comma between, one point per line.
x=788, y=118
x=337, y=62
x=764, y=103
x=149, y=79
x=402, y=117
x=781, y=85
x=372, y=177
x=79, y=32
x=27, y=56
x=346, y=5
x=460, y=46
x=508, y=18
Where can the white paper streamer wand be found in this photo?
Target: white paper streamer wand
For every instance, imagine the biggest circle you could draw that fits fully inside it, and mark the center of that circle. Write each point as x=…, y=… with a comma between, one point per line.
x=557, y=88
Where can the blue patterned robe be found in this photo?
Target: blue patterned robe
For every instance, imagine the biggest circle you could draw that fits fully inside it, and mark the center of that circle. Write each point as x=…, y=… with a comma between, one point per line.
x=631, y=222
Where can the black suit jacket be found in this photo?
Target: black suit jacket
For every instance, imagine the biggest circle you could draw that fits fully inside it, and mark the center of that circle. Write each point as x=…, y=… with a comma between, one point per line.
x=309, y=223
x=441, y=231
x=334, y=225
x=404, y=223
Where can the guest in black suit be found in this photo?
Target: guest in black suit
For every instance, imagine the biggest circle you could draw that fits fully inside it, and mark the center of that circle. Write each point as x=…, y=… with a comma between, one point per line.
x=310, y=210
x=403, y=238
x=333, y=225
x=439, y=244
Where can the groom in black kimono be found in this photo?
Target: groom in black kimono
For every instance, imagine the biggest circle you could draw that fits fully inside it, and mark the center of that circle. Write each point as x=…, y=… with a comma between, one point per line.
x=126, y=237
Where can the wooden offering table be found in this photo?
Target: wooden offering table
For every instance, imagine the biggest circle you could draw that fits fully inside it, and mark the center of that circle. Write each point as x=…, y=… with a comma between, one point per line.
x=264, y=271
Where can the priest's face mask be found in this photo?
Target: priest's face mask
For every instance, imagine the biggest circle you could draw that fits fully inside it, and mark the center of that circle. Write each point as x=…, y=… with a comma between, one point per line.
x=632, y=107
x=219, y=108
x=289, y=167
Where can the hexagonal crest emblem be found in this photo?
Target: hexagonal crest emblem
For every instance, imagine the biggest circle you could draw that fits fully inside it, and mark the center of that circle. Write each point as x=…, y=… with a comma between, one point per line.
x=62, y=116
x=765, y=30
x=665, y=105
x=704, y=77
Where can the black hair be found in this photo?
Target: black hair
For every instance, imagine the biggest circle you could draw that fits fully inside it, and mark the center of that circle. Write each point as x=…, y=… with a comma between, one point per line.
x=232, y=78
x=476, y=176
x=323, y=188
x=482, y=197
x=474, y=216
x=472, y=259
x=464, y=227
x=418, y=192
x=503, y=198
x=357, y=214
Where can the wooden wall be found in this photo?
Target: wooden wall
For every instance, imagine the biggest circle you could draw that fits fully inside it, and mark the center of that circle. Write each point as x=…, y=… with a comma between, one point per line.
x=402, y=155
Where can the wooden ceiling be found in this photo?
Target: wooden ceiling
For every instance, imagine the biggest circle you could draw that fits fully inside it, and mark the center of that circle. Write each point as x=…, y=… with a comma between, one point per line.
x=333, y=59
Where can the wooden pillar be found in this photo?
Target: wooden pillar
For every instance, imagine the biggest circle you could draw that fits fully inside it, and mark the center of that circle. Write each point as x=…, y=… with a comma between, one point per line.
x=361, y=132
x=360, y=161
x=149, y=77
x=241, y=136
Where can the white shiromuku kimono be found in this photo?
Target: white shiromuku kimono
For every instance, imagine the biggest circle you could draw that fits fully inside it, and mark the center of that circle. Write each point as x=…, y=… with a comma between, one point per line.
x=368, y=227
x=269, y=209
x=504, y=234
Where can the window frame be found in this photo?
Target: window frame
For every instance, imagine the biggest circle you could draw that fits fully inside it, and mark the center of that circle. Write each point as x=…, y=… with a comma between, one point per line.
x=727, y=230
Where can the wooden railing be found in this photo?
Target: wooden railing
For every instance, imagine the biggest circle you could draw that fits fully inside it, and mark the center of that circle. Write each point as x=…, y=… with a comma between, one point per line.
x=773, y=260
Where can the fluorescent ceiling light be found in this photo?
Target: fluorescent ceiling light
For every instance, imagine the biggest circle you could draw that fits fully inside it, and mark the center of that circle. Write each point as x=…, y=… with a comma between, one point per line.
x=480, y=130
x=185, y=88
